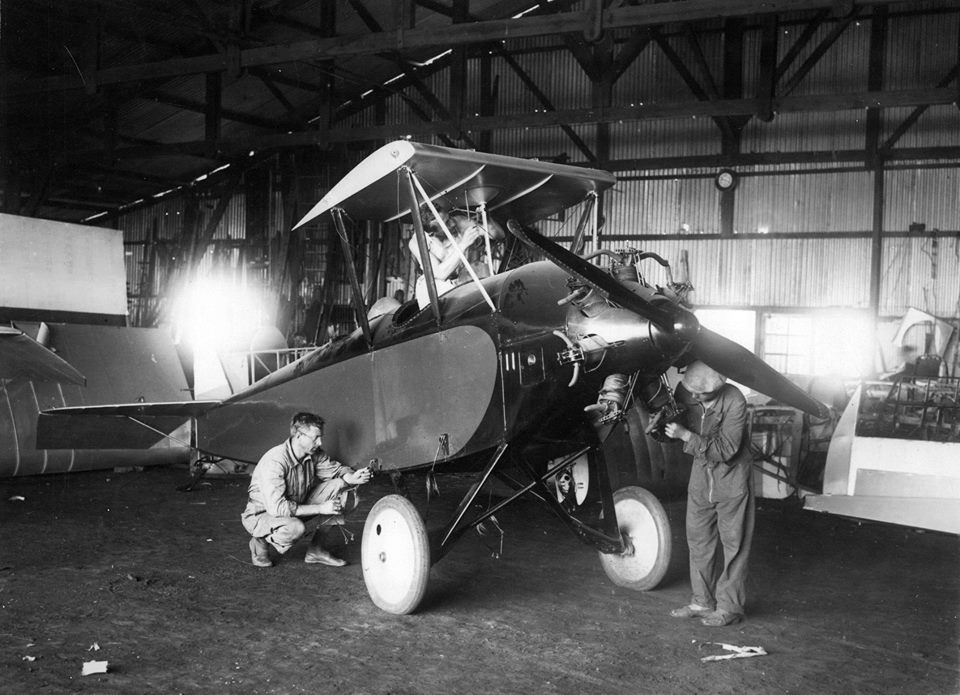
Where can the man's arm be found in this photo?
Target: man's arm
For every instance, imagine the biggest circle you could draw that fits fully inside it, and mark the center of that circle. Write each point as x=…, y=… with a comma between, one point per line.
x=327, y=468
x=269, y=480
x=446, y=265
x=271, y=485
x=721, y=446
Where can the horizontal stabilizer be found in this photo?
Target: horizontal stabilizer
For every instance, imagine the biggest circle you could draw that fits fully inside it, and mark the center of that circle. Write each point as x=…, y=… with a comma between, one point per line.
x=22, y=357
x=117, y=426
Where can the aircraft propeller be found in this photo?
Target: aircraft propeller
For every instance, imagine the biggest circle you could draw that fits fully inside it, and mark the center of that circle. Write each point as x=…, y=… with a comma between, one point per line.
x=727, y=357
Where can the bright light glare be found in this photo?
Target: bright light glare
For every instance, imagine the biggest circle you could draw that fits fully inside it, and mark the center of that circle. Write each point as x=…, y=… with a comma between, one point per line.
x=738, y=325
x=218, y=315
x=843, y=343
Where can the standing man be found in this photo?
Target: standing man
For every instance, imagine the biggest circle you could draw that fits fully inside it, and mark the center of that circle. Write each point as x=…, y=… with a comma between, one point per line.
x=720, y=503
x=296, y=481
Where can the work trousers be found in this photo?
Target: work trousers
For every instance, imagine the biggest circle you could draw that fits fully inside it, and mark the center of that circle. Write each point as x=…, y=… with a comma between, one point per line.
x=282, y=532
x=719, y=535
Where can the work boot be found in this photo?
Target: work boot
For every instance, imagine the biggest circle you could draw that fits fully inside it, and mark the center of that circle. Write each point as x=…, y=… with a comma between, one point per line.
x=259, y=554
x=691, y=610
x=318, y=555
x=721, y=618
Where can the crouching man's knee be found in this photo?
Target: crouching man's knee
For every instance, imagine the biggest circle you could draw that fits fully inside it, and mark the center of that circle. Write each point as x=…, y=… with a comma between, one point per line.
x=285, y=534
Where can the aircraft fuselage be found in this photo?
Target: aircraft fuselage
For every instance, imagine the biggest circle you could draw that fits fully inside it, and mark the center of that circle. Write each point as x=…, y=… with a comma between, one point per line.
x=477, y=379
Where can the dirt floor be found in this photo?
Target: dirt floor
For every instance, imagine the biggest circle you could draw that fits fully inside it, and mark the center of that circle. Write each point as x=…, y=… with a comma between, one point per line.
x=124, y=568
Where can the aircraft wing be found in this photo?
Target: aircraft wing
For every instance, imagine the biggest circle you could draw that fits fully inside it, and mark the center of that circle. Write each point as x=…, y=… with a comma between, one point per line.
x=23, y=357
x=526, y=190
x=115, y=426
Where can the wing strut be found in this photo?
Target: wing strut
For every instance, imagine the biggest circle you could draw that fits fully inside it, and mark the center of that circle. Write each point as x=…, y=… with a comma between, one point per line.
x=425, y=265
x=589, y=212
x=453, y=242
x=358, y=302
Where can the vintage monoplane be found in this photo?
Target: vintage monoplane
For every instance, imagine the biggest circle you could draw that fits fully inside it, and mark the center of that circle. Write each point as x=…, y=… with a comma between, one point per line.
x=491, y=377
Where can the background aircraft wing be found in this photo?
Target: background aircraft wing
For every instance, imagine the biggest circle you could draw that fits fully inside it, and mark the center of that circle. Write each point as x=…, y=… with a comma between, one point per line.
x=526, y=190
x=22, y=357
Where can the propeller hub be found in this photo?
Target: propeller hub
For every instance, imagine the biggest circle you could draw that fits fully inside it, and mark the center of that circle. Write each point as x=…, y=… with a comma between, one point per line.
x=685, y=325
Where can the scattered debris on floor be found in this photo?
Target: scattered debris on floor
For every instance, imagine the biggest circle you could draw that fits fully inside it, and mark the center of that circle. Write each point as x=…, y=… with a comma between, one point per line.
x=735, y=652
x=91, y=667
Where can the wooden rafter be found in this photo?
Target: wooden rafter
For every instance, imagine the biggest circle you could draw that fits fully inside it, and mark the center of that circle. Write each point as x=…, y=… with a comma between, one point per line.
x=544, y=100
x=817, y=54
x=810, y=103
x=229, y=114
x=907, y=123
x=691, y=81
x=572, y=22
x=409, y=71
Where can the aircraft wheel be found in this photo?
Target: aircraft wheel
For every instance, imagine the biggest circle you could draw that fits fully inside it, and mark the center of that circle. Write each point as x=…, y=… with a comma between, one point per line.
x=395, y=555
x=646, y=530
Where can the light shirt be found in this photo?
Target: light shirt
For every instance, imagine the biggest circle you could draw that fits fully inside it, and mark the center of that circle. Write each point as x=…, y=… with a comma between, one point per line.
x=439, y=249
x=280, y=482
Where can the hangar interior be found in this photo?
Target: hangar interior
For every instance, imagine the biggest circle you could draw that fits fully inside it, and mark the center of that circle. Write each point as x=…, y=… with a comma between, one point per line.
x=796, y=162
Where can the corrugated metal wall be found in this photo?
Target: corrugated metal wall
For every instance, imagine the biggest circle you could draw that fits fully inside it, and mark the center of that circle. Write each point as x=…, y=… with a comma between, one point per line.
x=922, y=272
x=640, y=205
x=809, y=273
x=926, y=196
x=797, y=202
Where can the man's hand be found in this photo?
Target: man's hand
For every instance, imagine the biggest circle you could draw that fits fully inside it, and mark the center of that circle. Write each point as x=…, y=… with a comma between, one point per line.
x=330, y=507
x=359, y=477
x=603, y=410
x=470, y=235
x=676, y=431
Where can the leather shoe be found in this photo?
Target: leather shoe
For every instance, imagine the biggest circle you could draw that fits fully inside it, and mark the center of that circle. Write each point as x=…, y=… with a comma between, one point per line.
x=690, y=611
x=319, y=556
x=721, y=618
x=259, y=554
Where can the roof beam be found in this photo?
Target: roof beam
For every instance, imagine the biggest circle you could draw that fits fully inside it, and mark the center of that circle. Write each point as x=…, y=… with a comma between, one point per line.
x=228, y=114
x=859, y=158
x=914, y=116
x=370, y=21
x=410, y=39
x=720, y=108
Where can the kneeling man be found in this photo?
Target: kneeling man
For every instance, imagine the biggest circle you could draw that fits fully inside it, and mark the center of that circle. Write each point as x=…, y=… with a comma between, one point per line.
x=294, y=482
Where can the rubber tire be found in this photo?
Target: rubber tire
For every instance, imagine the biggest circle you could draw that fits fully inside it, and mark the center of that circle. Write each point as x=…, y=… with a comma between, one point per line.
x=395, y=555
x=642, y=518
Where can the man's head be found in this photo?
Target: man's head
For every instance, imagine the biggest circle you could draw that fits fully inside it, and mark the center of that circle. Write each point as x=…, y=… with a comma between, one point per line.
x=430, y=224
x=306, y=429
x=702, y=382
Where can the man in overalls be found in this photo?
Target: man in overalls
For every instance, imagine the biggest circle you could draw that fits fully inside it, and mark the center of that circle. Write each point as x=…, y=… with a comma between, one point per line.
x=720, y=501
